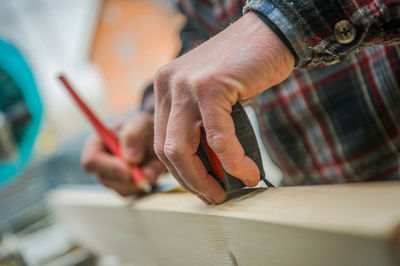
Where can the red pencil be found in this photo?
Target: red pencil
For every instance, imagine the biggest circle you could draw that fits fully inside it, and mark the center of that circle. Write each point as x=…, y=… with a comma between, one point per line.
x=108, y=137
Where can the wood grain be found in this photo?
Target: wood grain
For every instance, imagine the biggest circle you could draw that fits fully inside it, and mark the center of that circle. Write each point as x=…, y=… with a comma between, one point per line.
x=353, y=224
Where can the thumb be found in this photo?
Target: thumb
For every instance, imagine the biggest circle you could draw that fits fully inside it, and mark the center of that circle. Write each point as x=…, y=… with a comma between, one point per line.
x=132, y=137
x=221, y=137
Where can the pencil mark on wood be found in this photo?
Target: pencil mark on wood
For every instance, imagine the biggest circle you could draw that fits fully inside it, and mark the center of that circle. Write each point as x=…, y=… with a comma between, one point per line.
x=233, y=259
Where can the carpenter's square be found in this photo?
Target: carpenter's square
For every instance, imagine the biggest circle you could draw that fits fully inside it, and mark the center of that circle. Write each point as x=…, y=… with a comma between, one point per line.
x=247, y=138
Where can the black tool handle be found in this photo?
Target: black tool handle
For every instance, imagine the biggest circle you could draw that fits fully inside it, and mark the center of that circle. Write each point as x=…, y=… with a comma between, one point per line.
x=247, y=138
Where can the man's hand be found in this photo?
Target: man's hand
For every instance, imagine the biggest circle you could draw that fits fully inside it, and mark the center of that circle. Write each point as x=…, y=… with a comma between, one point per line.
x=136, y=140
x=199, y=89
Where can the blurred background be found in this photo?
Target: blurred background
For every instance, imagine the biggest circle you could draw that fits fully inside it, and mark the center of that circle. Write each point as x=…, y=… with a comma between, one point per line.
x=110, y=51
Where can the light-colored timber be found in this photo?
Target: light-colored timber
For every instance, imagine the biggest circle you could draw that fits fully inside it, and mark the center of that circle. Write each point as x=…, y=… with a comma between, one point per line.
x=352, y=224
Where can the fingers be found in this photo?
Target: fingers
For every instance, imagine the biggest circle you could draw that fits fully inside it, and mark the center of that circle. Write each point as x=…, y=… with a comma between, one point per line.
x=109, y=170
x=221, y=137
x=97, y=161
x=161, y=117
x=124, y=188
x=153, y=169
x=177, y=137
x=182, y=141
x=160, y=125
x=178, y=117
x=136, y=137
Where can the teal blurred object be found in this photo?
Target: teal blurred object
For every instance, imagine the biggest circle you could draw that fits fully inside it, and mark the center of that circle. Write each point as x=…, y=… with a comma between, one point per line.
x=20, y=83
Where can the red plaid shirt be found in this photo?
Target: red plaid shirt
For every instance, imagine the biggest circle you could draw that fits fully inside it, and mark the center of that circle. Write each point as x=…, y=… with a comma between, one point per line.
x=324, y=124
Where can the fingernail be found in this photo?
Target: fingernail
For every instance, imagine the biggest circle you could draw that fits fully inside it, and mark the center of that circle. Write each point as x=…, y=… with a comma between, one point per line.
x=212, y=200
x=221, y=199
x=250, y=181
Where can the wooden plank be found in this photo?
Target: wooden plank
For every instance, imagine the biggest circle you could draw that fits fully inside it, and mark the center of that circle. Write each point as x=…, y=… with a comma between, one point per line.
x=353, y=224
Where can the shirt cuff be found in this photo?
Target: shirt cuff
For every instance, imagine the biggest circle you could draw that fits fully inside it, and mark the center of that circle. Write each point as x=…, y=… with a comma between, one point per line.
x=310, y=29
x=279, y=33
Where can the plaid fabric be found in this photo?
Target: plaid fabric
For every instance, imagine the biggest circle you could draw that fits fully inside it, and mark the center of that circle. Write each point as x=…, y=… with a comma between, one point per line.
x=211, y=16
x=309, y=25
x=326, y=124
x=338, y=123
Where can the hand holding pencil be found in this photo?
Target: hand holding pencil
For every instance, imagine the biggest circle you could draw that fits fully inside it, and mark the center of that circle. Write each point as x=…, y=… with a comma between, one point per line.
x=114, y=156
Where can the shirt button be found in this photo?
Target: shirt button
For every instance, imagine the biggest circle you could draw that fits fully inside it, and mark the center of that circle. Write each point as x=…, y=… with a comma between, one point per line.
x=345, y=32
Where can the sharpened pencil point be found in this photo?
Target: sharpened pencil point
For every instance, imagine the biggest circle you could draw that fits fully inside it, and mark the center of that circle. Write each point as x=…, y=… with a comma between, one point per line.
x=144, y=185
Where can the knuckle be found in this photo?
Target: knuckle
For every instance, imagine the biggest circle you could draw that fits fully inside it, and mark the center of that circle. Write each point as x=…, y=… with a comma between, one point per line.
x=172, y=151
x=204, y=86
x=159, y=150
x=162, y=77
x=181, y=81
x=218, y=142
x=88, y=163
x=200, y=80
x=198, y=86
x=233, y=166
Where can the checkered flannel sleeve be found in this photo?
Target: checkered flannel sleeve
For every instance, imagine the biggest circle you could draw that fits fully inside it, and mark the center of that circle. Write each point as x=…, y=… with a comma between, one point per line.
x=328, y=31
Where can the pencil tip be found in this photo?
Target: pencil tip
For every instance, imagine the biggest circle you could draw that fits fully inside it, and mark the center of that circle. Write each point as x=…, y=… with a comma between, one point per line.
x=145, y=186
